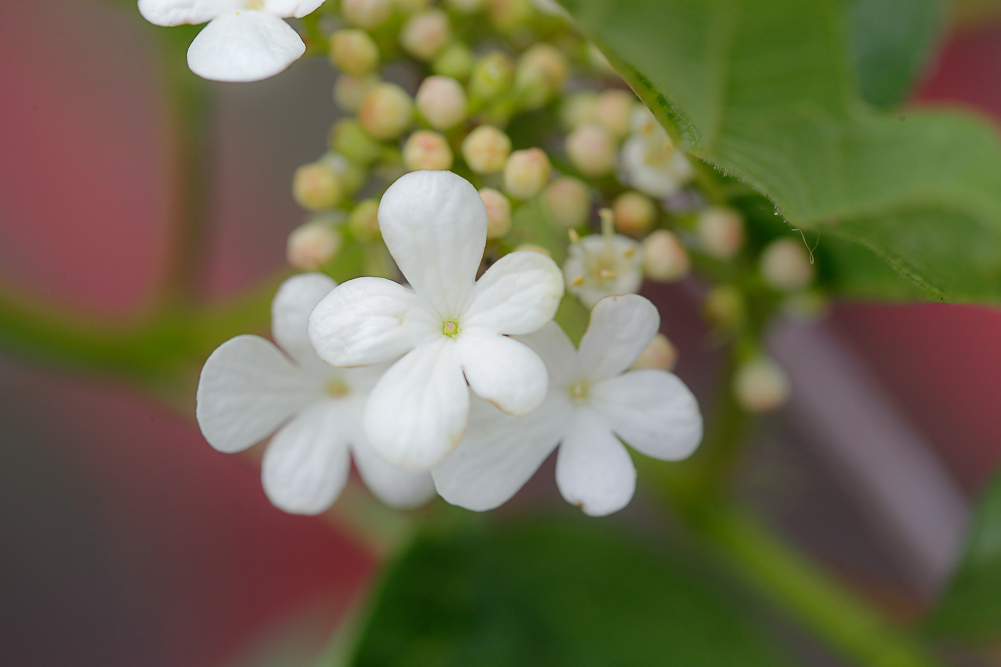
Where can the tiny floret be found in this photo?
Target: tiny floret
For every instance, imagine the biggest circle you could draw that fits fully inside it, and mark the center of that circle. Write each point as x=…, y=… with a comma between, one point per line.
x=603, y=264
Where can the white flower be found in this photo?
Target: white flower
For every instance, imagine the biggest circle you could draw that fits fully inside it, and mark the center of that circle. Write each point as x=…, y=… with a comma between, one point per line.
x=601, y=265
x=245, y=40
x=591, y=404
x=649, y=160
x=449, y=329
x=249, y=388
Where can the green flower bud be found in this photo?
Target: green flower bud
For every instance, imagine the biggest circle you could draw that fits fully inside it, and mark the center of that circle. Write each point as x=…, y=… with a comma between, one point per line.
x=350, y=139
x=316, y=187
x=353, y=52
x=526, y=173
x=492, y=76
x=386, y=112
x=455, y=61
x=364, y=220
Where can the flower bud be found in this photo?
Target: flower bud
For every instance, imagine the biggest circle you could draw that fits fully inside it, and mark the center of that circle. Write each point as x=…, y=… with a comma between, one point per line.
x=721, y=231
x=634, y=213
x=364, y=220
x=591, y=150
x=350, y=139
x=353, y=52
x=509, y=15
x=466, y=6
x=659, y=354
x=664, y=258
x=350, y=91
x=442, y=101
x=350, y=174
x=579, y=109
x=724, y=307
x=367, y=14
x=532, y=247
x=312, y=245
x=386, y=111
x=526, y=173
x=427, y=150
x=542, y=71
x=425, y=34
x=498, y=213
x=785, y=265
x=316, y=187
x=569, y=202
x=455, y=61
x=486, y=150
x=761, y=386
x=492, y=76
x=615, y=112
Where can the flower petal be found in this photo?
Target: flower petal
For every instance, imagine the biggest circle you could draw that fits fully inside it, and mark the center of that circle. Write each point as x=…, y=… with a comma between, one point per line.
x=435, y=226
x=178, y=12
x=296, y=8
x=499, y=453
x=651, y=410
x=593, y=469
x=306, y=465
x=621, y=328
x=402, y=489
x=368, y=321
x=556, y=351
x=516, y=295
x=245, y=45
x=503, y=371
x=418, y=411
x=290, y=314
x=247, y=389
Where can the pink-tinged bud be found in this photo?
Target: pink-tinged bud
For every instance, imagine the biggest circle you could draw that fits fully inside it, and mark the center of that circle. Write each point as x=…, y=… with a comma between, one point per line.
x=634, y=213
x=569, y=202
x=368, y=14
x=316, y=186
x=498, y=213
x=526, y=173
x=424, y=35
x=761, y=386
x=509, y=15
x=312, y=245
x=785, y=265
x=721, y=231
x=364, y=220
x=492, y=76
x=664, y=258
x=591, y=150
x=659, y=354
x=353, y=52
x=580, y=109
x=427, y=150
x=386, y=111
x=486, y=150
x=615, y=112
x=542, y=71
x=724, y=307
x=350, y=91
x=442, y=101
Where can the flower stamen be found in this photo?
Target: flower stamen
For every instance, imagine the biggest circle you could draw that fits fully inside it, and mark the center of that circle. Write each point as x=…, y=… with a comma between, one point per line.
x=450, y=328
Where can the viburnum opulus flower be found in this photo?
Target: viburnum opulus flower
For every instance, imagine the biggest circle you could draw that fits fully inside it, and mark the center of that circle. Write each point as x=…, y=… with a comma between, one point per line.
x=448, y=327
x=250, y=388
x=592, y=403
x=245, y=40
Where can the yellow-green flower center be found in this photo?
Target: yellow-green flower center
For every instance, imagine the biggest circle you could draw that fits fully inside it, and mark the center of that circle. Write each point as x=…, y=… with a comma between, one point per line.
x=579, y=390
x=450, y=328
x=337, y=389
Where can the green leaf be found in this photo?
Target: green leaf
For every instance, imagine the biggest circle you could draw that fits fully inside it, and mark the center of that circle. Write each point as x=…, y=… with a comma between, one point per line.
x=552, y=594
x=764, y=90
x=970, y=607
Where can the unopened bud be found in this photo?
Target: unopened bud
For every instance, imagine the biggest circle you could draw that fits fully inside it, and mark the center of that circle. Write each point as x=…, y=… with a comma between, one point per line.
x=615, y=112
x=526, y=173
x=761, y=386
x=532, y=247
x=350, y=91
x=721, y=231
x=724, y=307
x=785, y=265
x=364, y=220
x=353, y=52
x=351, y=175
x=486, y=150
x=350, y=139
x=455, y=60
x=509, y=15
x=386, y=111
x=442, y=102
x=312, y=245
x=580, y=109
x=492, y=76
x=634, y=213
x=316, y=187
x=569, y=202
x=664, y=258
x=367, y=14
x=591, y=150
x=427, y=150
x=542, y=71
x=659, y=354
x=498, y=213
x=466, y=6
x=425, y=34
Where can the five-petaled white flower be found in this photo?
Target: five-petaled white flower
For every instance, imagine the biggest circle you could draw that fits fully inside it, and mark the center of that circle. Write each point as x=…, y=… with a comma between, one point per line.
x=245, y=40
x=649, y=160
x=591, y=400
x=450, y=328
x=248, y=389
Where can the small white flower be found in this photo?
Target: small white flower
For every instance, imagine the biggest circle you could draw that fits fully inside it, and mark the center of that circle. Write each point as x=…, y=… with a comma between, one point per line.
x=649, y=160
x=249, y=389
x=601, y=265
x=450, y=328
x=245, y=40
x=591, y=404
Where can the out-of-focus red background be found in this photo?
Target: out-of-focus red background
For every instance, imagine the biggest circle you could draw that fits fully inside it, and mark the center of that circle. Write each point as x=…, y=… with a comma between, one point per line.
x=126, y=539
